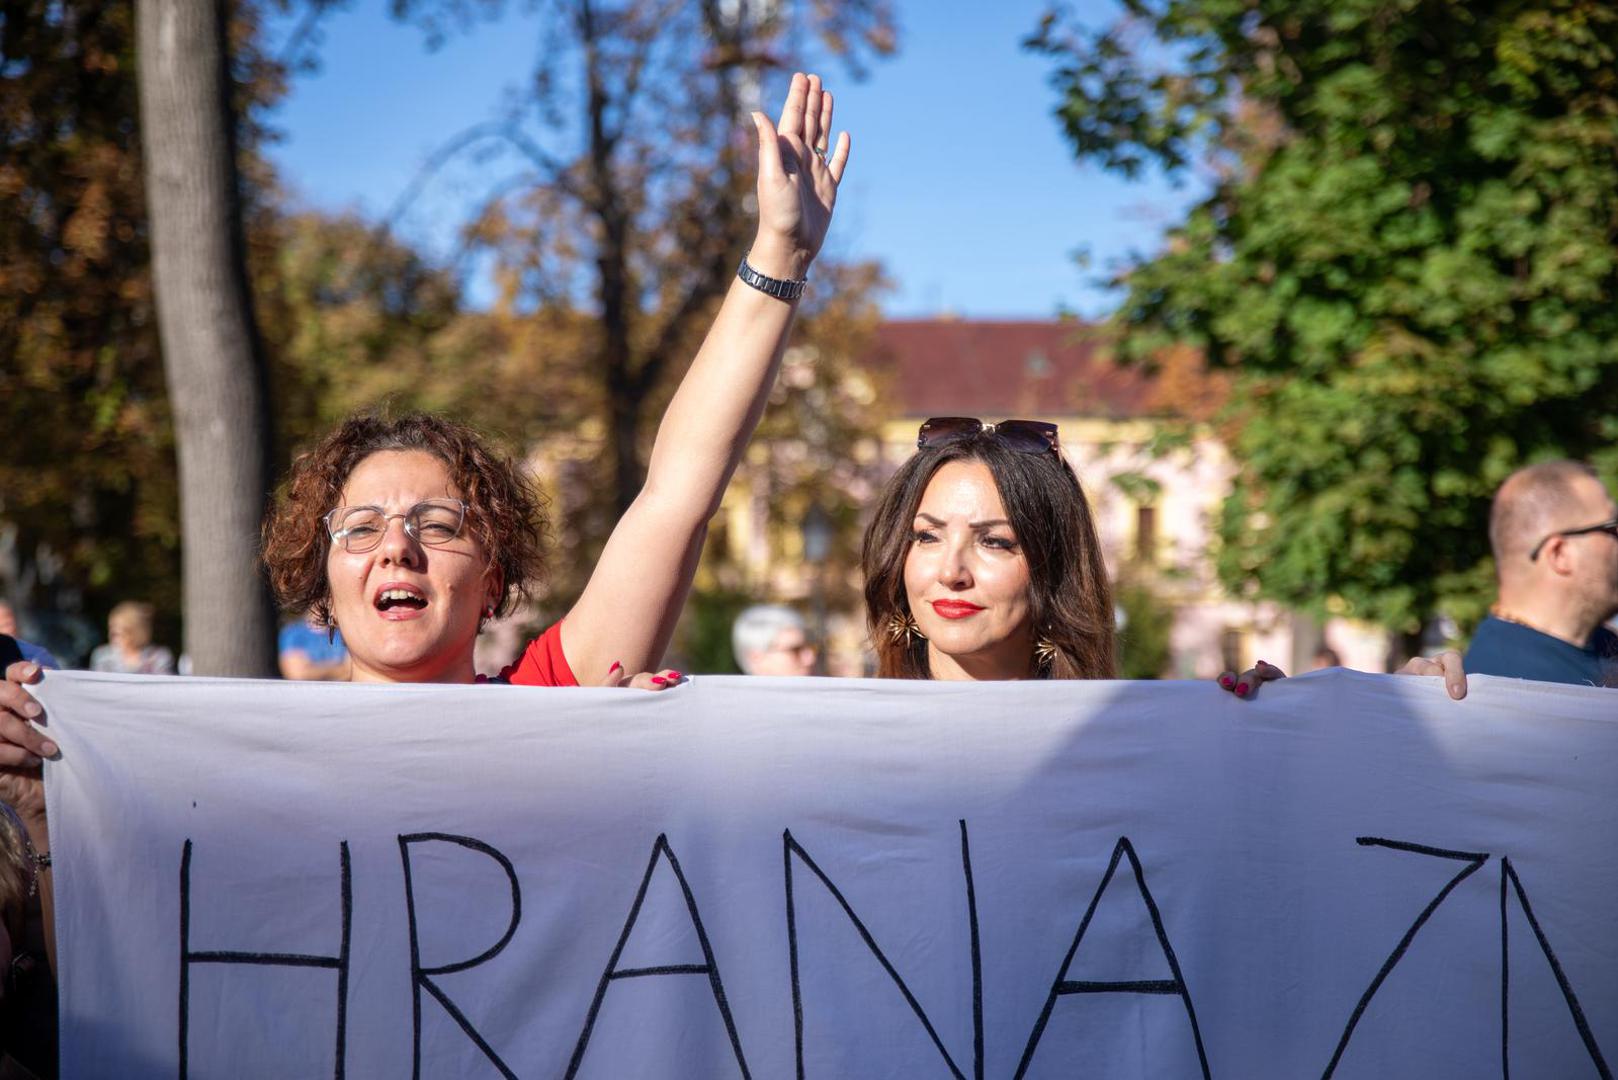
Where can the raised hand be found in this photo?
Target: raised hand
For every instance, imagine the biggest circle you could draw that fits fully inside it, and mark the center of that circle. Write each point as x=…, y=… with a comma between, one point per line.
x=797, y=179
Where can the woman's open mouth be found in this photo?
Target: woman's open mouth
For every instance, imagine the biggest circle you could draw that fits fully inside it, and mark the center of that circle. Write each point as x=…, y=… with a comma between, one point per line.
x=398, y=601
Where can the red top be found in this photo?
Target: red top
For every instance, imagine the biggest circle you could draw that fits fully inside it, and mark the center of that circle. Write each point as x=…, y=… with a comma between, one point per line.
x=542, y=663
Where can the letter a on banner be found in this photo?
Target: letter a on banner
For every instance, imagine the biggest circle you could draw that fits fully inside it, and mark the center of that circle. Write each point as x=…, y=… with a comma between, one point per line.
x=1065, y=985
x=707, y=966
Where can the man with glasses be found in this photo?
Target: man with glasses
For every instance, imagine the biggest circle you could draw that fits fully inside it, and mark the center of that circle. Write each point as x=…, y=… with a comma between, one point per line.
x=1554, y=530
x=770, y=639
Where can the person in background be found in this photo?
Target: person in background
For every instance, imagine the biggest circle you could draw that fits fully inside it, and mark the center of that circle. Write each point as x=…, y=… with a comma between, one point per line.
x=1325, y=657
x=129, y=649
x=307, y=652
x=771, y=639
x=38, y=654
x=1554, y=531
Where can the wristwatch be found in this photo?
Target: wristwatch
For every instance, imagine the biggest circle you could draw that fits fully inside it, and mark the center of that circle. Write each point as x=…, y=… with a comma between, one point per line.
x=780, y=288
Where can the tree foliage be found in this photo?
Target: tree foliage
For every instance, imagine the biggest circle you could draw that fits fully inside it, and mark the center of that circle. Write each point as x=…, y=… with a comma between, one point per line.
x=351, y=316
x=1145, y=641
x=87, y=489
x=633, y=200
x=1408, y=258
x=88, y=493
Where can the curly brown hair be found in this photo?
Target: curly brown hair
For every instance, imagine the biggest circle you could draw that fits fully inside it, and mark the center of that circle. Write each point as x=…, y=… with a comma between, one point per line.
x=1071, y=598
x=506, y=512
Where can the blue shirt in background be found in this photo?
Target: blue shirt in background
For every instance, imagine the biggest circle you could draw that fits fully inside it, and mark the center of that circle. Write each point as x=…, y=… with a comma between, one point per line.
x=37, y=654
x=1520, y=652
x=301, y=637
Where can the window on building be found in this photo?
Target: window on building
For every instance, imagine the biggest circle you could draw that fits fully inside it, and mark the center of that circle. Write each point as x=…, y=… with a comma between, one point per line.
x=1146, y=534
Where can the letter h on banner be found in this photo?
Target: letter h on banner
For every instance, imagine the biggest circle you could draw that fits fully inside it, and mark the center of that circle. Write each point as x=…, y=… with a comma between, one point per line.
x=188, y=956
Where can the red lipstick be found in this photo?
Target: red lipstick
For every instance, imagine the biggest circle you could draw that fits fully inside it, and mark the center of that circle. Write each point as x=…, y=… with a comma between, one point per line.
x=955, y=609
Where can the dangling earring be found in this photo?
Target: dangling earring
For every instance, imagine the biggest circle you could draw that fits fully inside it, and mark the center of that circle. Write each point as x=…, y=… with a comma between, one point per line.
x=902, y=628
x=488, y=611
x=1044, y=651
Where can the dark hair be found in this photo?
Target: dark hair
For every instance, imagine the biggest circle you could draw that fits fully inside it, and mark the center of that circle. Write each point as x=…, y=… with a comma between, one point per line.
x=505, y=515
x=1070, y=597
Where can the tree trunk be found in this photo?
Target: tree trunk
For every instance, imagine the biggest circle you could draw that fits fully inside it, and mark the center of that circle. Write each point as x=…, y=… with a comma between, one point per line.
x=211, y=357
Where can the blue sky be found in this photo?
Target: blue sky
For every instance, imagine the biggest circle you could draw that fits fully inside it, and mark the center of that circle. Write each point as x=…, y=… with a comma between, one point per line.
x=960, y=181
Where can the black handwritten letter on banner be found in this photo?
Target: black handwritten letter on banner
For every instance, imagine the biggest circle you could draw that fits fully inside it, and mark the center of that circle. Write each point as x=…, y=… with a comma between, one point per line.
x=1473, y=861
x=338, y=963
x=661, y=852
x=791, y=850
x=1509, y=873
x=1065, y=985
x=421, y=978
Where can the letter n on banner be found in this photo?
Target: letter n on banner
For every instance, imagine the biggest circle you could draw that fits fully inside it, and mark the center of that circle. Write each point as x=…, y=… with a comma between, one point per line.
x=791, y=850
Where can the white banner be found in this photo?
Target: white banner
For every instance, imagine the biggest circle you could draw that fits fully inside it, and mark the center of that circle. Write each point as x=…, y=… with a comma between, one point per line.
x=1351, y=876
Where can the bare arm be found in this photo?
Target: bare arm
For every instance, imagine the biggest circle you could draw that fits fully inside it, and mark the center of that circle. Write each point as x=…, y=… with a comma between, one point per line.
x=633, y=598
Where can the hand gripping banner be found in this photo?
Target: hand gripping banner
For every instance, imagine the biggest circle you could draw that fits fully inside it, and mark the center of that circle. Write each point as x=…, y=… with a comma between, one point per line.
x=1351, y=876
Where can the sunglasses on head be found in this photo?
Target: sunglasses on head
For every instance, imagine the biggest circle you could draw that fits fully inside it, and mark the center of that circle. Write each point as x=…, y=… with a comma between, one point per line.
x=1024, y=436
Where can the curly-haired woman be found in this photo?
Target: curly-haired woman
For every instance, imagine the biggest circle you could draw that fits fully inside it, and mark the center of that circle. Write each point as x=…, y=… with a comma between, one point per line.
x=408, y=534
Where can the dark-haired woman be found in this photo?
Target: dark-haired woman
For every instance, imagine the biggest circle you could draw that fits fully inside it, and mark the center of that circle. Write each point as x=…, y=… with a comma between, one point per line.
x=408, y=534
x=982, y=562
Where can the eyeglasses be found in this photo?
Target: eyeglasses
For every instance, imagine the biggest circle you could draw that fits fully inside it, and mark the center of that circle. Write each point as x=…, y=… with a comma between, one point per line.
x=360, y=528
x=1609, y=527
x=796, y=648
x=1024, y=436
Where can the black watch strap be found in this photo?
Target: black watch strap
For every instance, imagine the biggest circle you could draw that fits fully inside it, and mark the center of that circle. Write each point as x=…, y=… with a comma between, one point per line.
x=780, y=288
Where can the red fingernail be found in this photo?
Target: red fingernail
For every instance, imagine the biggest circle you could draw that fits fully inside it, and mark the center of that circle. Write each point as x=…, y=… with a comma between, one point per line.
x=675, y=675
x=616, y=666
x=1224, y=680
x=658, y=680
x=1241, y=689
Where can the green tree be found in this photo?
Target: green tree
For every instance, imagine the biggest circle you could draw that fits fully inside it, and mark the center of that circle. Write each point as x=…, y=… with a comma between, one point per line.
x=1408, y=258
x=87, y=485
x=1144, y=650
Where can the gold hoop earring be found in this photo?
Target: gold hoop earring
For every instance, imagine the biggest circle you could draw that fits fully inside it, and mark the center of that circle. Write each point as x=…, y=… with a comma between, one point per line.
x=902, y=628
